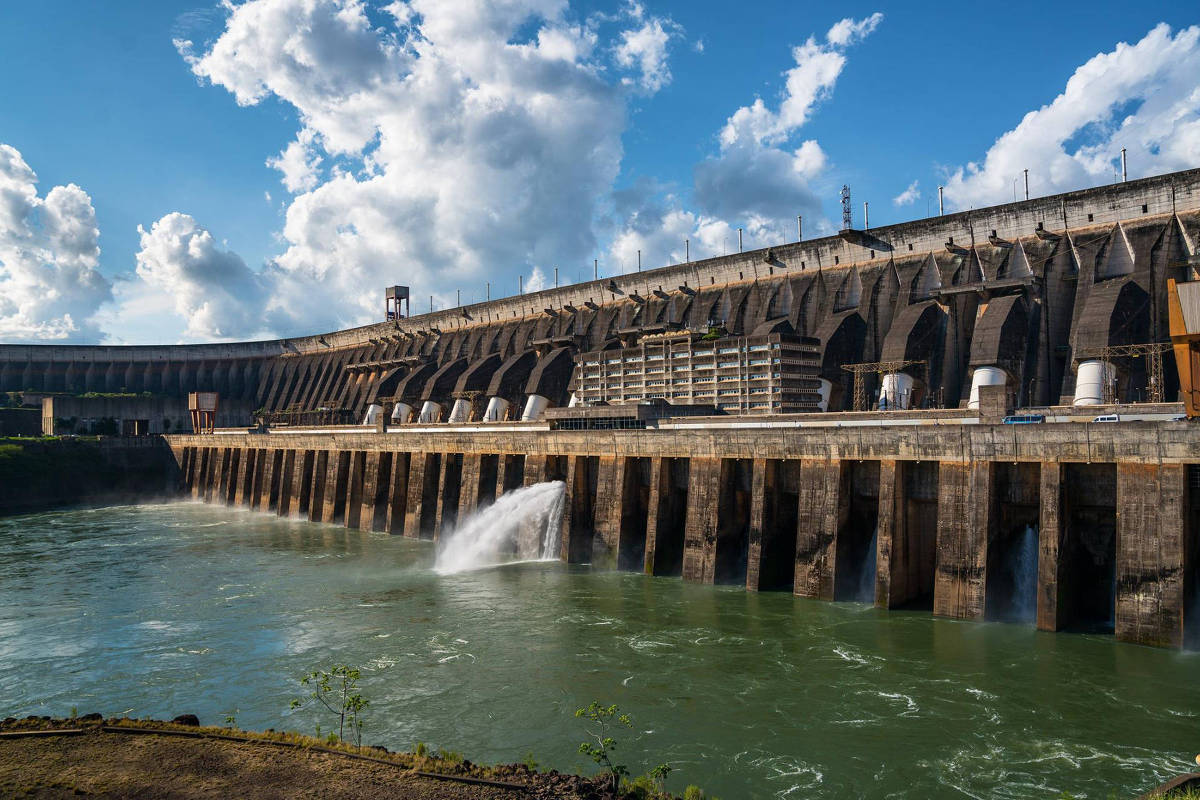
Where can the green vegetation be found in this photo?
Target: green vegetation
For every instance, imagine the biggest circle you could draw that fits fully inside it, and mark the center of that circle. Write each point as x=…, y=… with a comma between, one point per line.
x=337, y=691
x=604, y=721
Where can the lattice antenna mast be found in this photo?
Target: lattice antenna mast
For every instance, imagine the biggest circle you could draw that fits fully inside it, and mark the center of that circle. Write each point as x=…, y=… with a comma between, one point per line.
x=847, y=217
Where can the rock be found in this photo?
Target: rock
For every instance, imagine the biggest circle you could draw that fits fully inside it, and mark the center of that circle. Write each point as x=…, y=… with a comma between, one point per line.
x=93, y=717
x=187, y=719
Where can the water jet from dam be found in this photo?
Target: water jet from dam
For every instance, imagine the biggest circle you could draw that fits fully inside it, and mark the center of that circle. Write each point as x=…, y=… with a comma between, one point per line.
x=525, y=522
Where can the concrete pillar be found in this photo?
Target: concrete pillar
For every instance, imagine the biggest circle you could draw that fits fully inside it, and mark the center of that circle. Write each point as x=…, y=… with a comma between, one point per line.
x=420, y=497
x=336, y=478
x=1051, y=545
x=607, y=511
x=231, y=485
x=302, y=478
x=287, y=469
x=397, y=494
x=890, y=555
x=469, y=493
x=449, y=491
x=224, y=476
x=1152, y=540
x=212, y=489
x=489, y=481
x=705, y=481
x=763, y=484
x=210, y=474
x=197, y=481
x=965, y=523
x=634, y=505
x=245, y=477
x=187, y=467
x=823, y=509
x=535, y=470
x=579, y=512
x=183, y=457
x=510, y=474
x=354, y=496
x=375, y=481
x=657, y=492
x=272, y=467
x=254, y=498
x=320, y=471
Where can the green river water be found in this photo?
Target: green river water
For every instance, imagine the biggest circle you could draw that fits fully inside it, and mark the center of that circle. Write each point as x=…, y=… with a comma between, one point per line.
x=161, y=610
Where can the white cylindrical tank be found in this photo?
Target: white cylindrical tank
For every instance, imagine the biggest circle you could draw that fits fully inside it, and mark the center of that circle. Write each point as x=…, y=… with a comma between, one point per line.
x=824, y=391
x=497, y=407
x=534, y=407
x=430, y=412
x=1090, y=381
x=985, y=376
x=373, y=412
x=461, y=410
x=402, y=413
x=896, y=392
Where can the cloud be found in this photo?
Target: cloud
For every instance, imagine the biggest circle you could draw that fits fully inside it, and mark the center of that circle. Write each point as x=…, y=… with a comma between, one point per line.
x=299, y=162
x=645, y=48
x=759, y=179
x=909, y=196
x=50, y=288
x=536, y=282
x=212, y=289
x=849, y=31
x=440, y=140
x=1144, y=97
x=757, y=176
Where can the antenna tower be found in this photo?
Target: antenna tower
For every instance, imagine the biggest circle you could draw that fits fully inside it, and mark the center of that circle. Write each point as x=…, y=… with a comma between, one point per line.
x=847, y=218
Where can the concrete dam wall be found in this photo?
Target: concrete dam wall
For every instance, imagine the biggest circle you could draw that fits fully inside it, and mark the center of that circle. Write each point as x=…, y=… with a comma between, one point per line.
x=1026, y=295
x=938, y=513
x=786, y=473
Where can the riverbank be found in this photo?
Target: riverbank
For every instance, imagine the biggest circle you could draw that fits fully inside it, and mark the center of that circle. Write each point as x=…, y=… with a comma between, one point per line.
x=53, y=473
x=90, y=756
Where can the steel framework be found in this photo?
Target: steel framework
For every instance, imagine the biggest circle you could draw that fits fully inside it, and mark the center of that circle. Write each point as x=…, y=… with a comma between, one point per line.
x=873, y=368
x=1153, y=351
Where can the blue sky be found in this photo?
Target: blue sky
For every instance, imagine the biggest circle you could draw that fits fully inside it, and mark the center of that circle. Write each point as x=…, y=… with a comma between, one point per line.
x=446, y=158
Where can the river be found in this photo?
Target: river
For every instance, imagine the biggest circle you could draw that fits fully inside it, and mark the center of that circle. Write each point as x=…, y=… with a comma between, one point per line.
x=160, y=610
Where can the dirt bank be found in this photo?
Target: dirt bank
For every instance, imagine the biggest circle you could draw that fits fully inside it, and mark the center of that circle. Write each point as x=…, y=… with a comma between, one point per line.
x=49, y=758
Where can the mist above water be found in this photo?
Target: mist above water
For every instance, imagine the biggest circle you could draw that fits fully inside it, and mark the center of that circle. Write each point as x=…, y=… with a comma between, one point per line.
x=523, y=525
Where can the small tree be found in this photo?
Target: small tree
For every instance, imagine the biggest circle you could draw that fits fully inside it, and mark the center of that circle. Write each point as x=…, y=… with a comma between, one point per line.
x=604, y=719
x=337, y=691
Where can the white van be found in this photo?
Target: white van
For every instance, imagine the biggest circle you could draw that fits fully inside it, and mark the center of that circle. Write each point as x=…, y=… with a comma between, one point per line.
x=1107, y=418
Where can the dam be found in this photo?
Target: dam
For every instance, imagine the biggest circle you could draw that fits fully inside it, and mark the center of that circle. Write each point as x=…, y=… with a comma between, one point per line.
x=917, y=415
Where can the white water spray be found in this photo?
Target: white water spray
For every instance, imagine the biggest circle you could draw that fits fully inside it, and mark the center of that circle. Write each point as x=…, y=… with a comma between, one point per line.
x=865, y=591
x=526, y=520
x=1025, y=568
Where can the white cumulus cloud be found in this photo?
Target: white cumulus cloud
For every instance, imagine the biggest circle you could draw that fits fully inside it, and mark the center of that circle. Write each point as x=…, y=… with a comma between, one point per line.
x=441, y=141
x=645, y=48
x=50, y=288
x=211, y=288
x=1144, y=97
x=909, y=196
x=761, y=177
